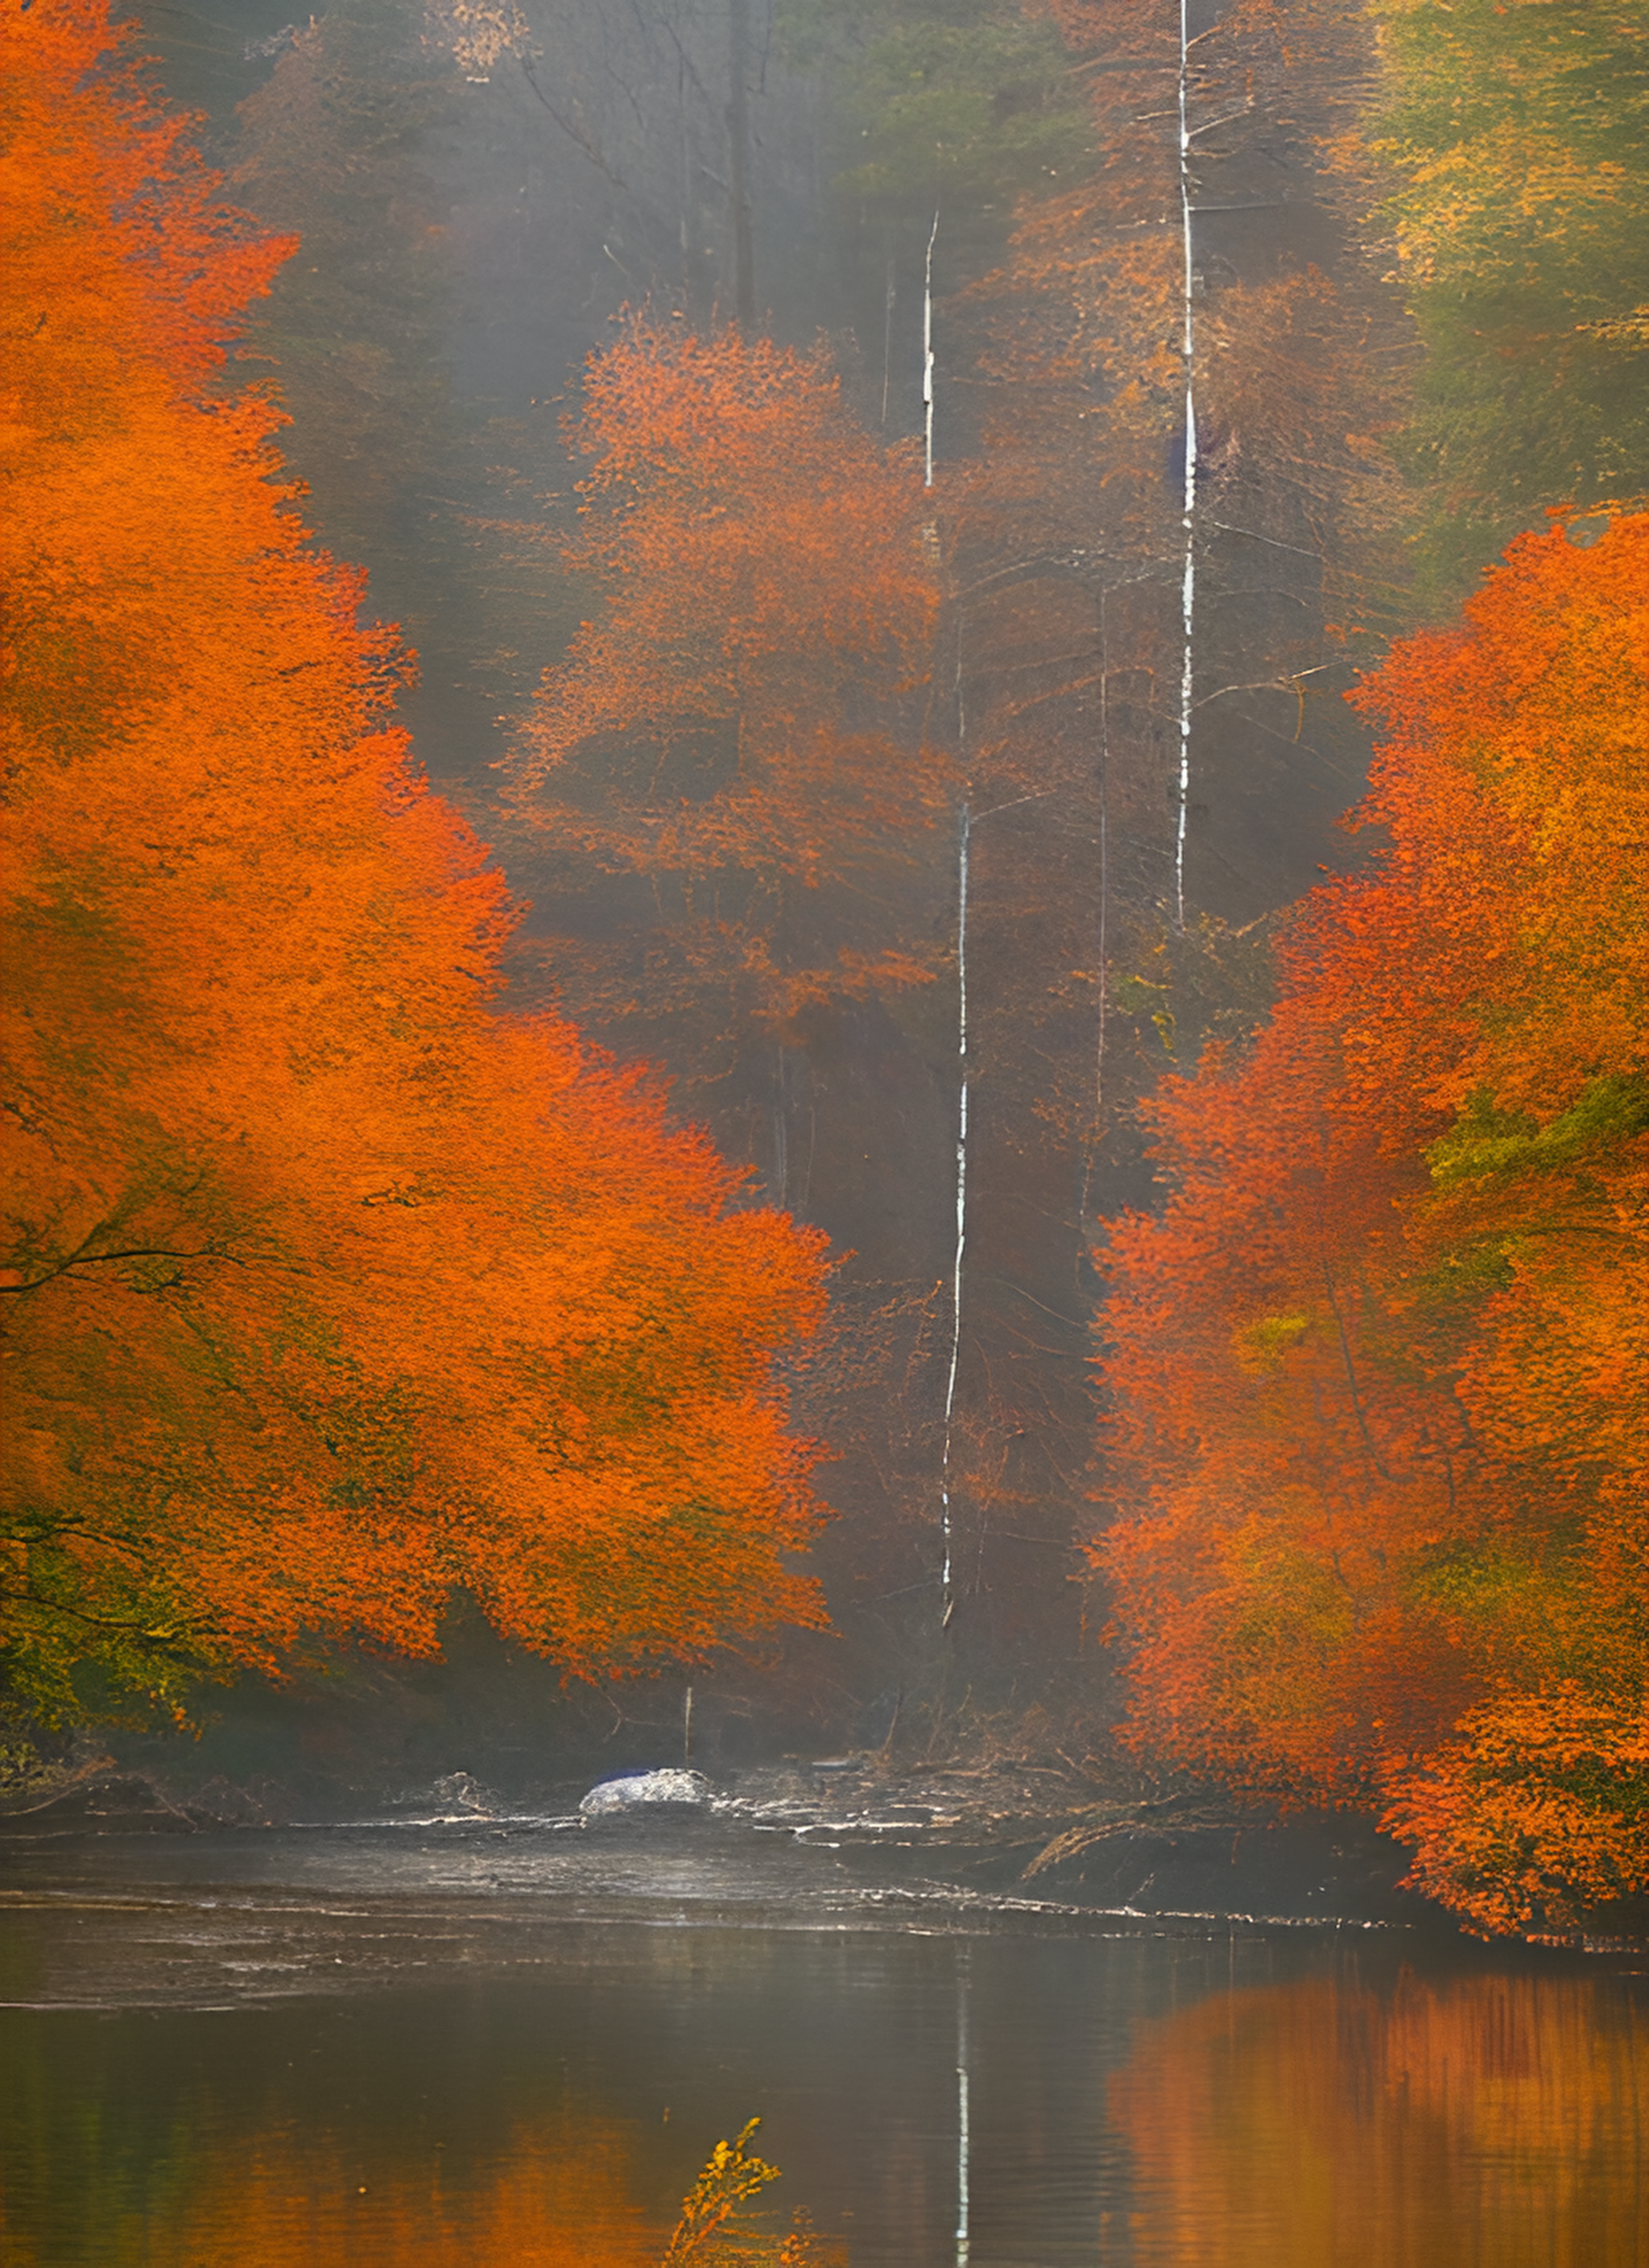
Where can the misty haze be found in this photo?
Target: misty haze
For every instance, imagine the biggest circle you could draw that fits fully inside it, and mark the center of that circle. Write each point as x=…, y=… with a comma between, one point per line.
x=825, y=1135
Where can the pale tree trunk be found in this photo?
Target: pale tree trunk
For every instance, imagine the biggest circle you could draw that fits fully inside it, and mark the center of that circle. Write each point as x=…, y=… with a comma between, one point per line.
x=739, y=162
x=1187, y=585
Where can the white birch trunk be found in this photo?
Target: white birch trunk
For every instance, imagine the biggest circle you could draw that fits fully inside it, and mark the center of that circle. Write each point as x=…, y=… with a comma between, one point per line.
x=927, y=360
x=1188, y=583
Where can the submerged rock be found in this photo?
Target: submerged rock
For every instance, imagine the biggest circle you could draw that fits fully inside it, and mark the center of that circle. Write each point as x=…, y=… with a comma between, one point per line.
x=647, y=1791
x=462, y=1792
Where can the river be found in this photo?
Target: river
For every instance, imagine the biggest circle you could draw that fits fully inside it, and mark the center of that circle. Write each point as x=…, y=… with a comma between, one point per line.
x=509, y=2043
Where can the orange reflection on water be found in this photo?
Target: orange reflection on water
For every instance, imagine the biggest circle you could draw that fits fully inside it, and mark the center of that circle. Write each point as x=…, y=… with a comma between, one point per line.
x=1493, y=2121
x=553, y=2198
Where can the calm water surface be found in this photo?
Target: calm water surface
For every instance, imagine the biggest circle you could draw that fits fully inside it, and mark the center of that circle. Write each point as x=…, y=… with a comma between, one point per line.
x=504, y=2046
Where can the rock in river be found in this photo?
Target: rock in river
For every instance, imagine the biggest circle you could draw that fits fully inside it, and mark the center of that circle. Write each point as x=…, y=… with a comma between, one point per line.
x=647, y=1791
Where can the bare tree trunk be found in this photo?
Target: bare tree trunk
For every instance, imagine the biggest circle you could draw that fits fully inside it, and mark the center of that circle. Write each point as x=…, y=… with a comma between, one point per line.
x=1187, y=585
x=739, y=162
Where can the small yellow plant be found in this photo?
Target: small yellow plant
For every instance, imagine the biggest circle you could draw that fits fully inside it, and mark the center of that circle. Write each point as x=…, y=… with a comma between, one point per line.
x=704, y=2237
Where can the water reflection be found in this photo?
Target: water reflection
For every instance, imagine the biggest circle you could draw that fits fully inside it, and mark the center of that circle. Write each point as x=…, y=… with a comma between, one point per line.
x=106, y=2182
x=274, y=2079
x=556, y=2198
x=1493, y=2120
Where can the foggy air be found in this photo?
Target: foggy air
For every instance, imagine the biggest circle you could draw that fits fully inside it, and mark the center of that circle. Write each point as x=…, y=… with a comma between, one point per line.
x=825, y=1134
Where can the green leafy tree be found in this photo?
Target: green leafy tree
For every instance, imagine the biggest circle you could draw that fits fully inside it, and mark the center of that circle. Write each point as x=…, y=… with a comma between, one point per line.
x=1519, y=135
x=971, y=101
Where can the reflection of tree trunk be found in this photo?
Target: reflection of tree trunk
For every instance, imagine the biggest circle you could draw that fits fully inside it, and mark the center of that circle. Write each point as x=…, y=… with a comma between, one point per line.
x=948, y=1592
x=739, y=161
x=963, y=2153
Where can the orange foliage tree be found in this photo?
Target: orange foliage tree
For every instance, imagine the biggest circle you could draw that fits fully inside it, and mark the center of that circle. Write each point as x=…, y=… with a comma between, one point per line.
x=1377, y=1370
x=740, y=723
x=331, y=1290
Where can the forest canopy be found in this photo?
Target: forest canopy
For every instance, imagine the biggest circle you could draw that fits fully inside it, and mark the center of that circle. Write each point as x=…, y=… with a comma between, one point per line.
x=991, y=436
x=331, y=1289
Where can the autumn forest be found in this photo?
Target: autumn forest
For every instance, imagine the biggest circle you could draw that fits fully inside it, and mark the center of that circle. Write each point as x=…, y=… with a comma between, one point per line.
x=891, y=966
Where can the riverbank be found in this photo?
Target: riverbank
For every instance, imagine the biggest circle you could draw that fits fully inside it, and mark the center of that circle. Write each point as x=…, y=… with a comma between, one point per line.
x=1016, y=1837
